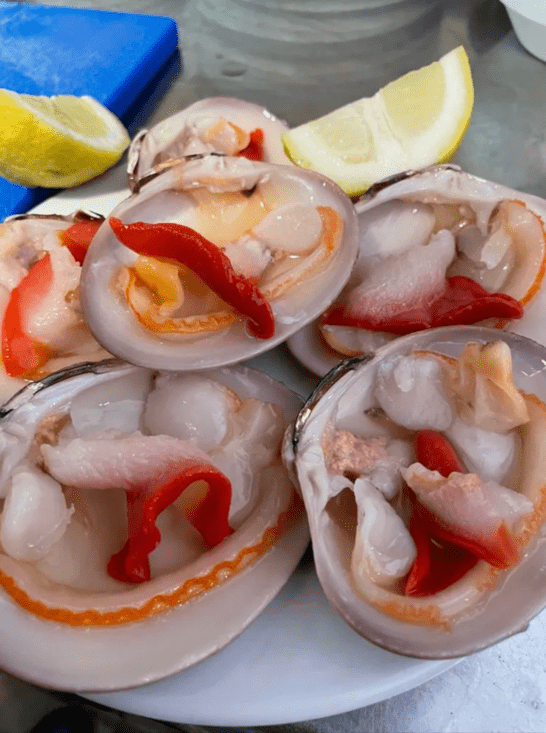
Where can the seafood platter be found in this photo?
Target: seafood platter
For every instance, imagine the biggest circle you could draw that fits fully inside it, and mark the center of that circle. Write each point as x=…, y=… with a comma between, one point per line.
x=157, y=493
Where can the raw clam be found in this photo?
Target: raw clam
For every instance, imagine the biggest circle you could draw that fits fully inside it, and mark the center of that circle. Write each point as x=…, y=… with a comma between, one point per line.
x=42, y=326
x=246, y=242
x=458, y=415
x=424, y=234
x=94, y=455
x=217, y=124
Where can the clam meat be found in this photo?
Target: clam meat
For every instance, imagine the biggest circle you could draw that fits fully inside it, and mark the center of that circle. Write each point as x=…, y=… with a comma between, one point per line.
x=126, y=493
x=217, y=124
x=42, y=326
x=423, y=473
x=441, y=247
x=215, y=260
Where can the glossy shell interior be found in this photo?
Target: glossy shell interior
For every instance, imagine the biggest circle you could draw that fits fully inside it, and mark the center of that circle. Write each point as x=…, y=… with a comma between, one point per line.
x=446, y=184
x=72, y=342
x=163, y=199
x=520, y=592
x=163, y=141
x=194, y=594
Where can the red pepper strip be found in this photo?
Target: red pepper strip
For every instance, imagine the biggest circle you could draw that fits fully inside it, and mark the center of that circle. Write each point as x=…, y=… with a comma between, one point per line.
x=436, y=453
x=438, y=565
x=255, y=148
x=463, y=302
x=21, y=353
x=131, y=564
x=466, y=302
x=501, y=550
x=78, y=238
x=189, y=248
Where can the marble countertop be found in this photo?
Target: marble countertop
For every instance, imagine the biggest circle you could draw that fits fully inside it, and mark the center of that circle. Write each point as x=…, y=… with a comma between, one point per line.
x=502, y=688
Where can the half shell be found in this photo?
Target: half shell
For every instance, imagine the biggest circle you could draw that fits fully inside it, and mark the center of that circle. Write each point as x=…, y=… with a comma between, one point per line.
x=216, y=124
x=54, y=564
x=486, y=604
x=53, y=319
x=478, y=229
x=296, y=230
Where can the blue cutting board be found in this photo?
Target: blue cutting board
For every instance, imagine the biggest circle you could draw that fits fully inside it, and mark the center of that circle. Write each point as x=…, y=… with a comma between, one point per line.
x=126, y=61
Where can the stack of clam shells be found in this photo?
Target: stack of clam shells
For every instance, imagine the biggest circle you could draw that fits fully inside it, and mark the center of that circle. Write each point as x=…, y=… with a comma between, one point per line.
x=171, y=476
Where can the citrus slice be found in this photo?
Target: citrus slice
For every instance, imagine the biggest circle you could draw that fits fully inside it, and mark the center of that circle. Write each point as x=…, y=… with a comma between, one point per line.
x=57, y=142
x=415, y=121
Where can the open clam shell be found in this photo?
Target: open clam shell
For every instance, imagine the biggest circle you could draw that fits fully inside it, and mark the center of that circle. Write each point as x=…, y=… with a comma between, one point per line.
x=294, y=229
x=215, y=124
x=421, y=227
x=42, y=326
x=485, y=604
x=57, y=537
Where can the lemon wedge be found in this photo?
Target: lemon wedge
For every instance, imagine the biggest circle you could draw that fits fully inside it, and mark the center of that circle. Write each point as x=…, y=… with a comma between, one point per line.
x=57, y=142
x=415, y=121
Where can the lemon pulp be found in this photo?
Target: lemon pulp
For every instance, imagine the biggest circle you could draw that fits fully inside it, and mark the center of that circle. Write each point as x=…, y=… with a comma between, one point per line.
x=57, y=141
x=414, y=121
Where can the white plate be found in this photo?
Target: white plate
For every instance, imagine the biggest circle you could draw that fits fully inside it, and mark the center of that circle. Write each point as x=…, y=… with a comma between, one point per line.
x=297, y=660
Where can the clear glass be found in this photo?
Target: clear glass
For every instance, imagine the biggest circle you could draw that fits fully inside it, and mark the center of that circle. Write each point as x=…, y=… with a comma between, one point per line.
x=303, y=58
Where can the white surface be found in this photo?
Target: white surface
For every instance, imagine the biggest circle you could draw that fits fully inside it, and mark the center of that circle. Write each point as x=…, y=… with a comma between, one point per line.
x=309, y=349
x=298, y=660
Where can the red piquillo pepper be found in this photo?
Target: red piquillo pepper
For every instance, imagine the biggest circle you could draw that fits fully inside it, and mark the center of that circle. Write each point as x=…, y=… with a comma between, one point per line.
x=436, y=453
x=255, y=148
x=438, y=564
x=23, y=355
x=463, y=302
x=500, y=551
x=444, y=556
x=210, y=518
x=77, y=238
x=188, y=247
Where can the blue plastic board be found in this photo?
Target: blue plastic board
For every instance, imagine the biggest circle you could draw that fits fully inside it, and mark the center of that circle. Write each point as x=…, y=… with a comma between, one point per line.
x=126, y=61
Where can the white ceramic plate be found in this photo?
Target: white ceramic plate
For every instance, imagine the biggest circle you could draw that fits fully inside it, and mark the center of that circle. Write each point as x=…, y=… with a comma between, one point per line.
x=297, y=660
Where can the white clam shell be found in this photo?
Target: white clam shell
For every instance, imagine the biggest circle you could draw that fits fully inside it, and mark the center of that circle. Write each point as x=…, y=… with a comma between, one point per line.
x=200, y=623
x=437, y=184
x=152, y=147
x=491, y=615
x=25, y=238
x=162, y=199
x=447, y=184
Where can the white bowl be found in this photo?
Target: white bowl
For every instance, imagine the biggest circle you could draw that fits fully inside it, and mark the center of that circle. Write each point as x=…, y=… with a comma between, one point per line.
x=528, y=19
